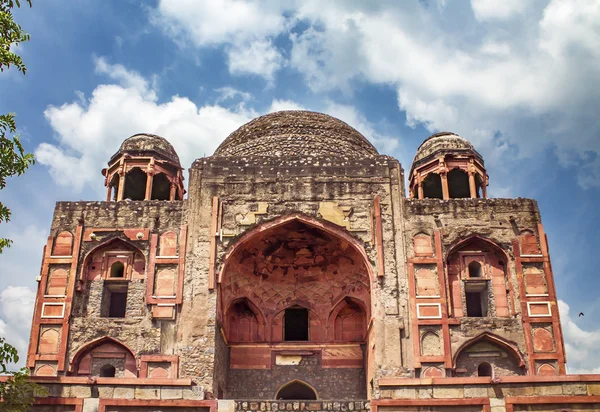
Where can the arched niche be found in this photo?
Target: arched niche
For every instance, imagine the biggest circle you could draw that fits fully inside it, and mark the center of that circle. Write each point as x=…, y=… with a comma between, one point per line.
x=296, y=390
x=295, y=260
x=502, y=356
x=244, y=322
x=432, y=372
x=458, y=184
x=422, y=245
x=95, y=358
x=431, y=344
x=489, y=263
x=546, y=369
x=99, y=261
x=167, y=245
x=63, y=244
x=348, y=321
x=49, y=341
x=135, y=184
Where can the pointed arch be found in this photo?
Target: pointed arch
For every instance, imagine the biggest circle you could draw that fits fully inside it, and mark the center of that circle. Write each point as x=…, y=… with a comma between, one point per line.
x=241, y=326
x=327, y=227
x=494, y=339
x=477, y=238
x=348, y=320
x=85, y=354
x=108, y=244
x=296, y=390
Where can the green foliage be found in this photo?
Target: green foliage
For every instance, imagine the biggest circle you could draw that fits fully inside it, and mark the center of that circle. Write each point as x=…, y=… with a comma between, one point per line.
x=17, y=392
x=13, y=159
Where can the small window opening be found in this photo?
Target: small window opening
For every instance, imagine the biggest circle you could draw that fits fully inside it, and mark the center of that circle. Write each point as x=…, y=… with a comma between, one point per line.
x=432, y=186
x=296, y=324
x=135, y=185
x=107, y=371
x=114, y=301
x=161, y=187
x=484, y=369
x=476, y=304
x=458, y=184
x=117, y=270
x=475, y=270
x=296, y=391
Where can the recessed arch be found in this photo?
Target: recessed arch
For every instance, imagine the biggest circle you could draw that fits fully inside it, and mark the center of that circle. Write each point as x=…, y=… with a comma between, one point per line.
x=494, y=339
x=244, y=321
x=161, y=187
x=135, y=184
x=485, y=369
x=296, y=390
x=476, y=239
x=432, y=186
x=348, y=320
x=110, y=244
x=117, y=270
x=458, y=184
x=310, y=221
x=86, y=353
x=107, y=371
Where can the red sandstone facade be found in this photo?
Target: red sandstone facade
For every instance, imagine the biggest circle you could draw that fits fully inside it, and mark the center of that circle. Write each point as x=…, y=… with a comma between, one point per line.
x=297, y=276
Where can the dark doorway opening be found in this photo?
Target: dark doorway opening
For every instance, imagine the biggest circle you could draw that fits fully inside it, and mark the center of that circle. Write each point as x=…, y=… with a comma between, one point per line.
x=458, y=184
x=484, y=369
x=296, y=391
x=475, y=304
x=432, y=186
x=161, y=187
x=107, y=371
x=117, y=270
x=296, y=324
x=135, y=185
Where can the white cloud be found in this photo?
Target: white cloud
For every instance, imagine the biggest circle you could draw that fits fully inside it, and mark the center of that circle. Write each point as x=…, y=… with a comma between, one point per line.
x=497, y=9
x=581, y=345
x=17, y=310
x=260, y=58
x=279, y=105
x=230, y=93
x=88, y=134
x=246, y=27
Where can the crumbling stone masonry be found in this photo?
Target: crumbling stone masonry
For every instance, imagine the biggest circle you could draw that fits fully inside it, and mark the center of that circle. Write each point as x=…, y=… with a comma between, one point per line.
x=298, y=276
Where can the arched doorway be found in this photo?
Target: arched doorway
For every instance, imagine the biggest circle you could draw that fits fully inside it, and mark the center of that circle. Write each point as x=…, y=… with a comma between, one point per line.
x=296, y=390
x=295, y=299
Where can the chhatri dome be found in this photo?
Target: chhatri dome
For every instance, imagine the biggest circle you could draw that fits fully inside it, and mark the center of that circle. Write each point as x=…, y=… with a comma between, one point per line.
x=296, y=133
x=144, y=144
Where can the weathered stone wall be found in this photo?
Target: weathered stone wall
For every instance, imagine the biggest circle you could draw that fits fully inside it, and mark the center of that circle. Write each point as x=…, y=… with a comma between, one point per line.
x=498, y=220
x=137, y=329
x=296, y=185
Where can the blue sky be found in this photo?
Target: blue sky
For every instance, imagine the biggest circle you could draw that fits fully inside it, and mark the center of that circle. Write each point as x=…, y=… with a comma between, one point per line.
x=519, y=79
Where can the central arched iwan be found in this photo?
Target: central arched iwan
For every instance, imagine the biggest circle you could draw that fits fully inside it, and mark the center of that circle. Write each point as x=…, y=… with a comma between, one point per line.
x=295, y=272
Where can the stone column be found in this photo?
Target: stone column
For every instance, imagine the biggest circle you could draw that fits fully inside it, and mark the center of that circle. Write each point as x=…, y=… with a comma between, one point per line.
x=121, y=185
x=445, y=190
x=173, y=191
x=149, y=181
x=472, y=187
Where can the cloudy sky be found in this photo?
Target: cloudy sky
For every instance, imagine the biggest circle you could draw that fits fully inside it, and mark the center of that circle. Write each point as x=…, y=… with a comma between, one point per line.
x=520, y=79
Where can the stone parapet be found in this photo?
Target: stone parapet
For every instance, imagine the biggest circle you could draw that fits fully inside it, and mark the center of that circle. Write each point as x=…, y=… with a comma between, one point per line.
x=302, y=405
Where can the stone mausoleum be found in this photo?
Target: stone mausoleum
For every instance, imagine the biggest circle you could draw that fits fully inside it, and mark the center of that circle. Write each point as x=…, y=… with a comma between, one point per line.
x=299, y=274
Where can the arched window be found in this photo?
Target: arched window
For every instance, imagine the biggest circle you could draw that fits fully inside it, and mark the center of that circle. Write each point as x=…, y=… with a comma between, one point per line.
x=117, y=270
x=484, y=369
x=107, y=371
x=432, y=186
x=161, y=187
x=458, y=184
x=135, y=185
x=475, y=269
x=296, y=391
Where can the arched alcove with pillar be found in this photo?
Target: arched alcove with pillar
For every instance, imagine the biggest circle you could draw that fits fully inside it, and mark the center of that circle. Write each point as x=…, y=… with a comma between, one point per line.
x=311, y=281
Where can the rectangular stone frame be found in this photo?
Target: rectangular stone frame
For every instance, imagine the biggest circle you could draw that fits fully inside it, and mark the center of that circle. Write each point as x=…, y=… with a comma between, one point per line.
x=444, y=321
x=554, y=318
x=77, y=402
x=483, y=402
x=41, y=300
x=175, y=403
x=172, y=359
x=511, y=401
x=154, y=259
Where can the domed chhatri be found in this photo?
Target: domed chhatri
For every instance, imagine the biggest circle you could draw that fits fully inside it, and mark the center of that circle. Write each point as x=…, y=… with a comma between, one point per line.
x=447, y=166
x=144, y=143
x=296, y=133
x=146, y=167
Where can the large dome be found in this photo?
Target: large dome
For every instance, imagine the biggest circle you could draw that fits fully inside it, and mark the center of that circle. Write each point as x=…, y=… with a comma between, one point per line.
x=143, y=144
x=443, y=143
x=296, y=133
